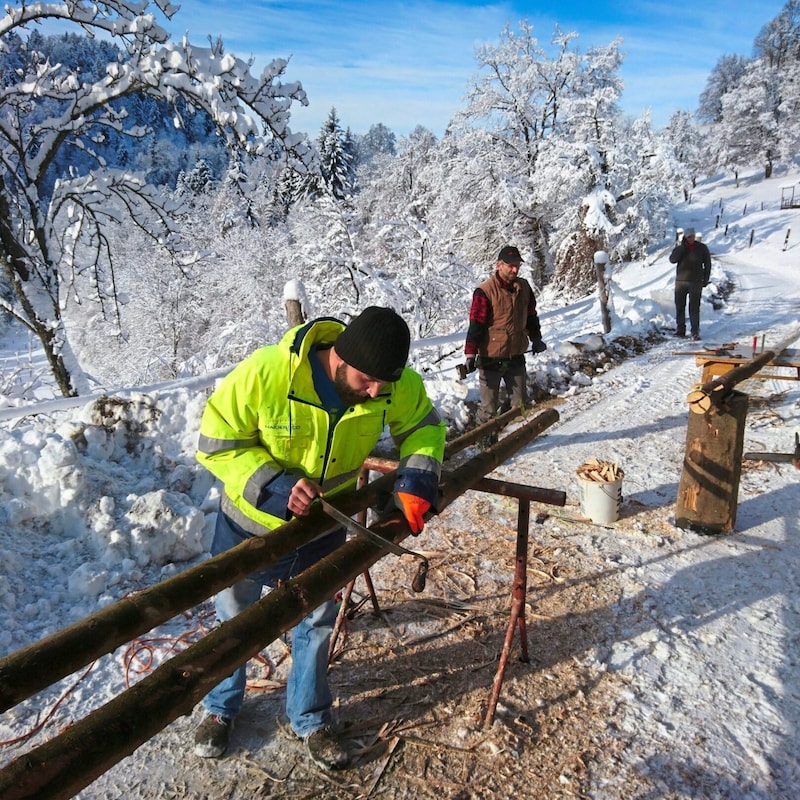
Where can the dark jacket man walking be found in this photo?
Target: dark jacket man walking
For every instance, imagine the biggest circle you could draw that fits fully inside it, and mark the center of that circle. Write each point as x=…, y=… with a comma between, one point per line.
x=692, y=273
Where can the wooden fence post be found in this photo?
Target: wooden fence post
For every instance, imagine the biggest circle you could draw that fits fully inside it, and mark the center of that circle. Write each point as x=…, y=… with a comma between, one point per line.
x=600, y=261
x=294, y=313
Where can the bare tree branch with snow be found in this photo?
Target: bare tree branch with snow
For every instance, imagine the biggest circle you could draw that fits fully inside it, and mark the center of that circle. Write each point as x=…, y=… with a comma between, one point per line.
x=53, y=227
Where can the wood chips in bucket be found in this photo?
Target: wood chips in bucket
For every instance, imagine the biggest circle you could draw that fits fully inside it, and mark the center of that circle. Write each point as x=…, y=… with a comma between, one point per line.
x=600, y=471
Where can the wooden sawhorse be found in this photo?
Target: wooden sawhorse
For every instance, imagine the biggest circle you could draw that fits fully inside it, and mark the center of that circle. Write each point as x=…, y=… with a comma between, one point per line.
x=525, y=495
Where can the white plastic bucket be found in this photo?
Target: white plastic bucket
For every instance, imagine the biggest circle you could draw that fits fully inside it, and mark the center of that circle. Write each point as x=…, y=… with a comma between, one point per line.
x=600, y=500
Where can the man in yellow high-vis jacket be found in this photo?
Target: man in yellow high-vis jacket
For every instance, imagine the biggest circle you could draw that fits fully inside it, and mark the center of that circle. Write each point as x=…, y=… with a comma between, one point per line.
x=290, y=422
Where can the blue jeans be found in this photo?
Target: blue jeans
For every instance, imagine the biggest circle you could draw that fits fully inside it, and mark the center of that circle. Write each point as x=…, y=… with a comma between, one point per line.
x=308, y=695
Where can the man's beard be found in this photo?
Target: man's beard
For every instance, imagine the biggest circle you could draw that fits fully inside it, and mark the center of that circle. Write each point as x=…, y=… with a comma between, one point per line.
x=343, y=389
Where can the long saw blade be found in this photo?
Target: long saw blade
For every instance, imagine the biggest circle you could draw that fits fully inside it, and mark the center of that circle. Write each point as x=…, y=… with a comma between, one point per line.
x=356, y=528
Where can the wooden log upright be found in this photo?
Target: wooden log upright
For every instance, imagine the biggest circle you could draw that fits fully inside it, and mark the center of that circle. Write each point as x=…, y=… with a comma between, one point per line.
x=712, y=464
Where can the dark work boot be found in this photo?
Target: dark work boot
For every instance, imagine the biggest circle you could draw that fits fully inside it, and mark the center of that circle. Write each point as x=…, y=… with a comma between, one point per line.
x=211, y=736
x=326, y=751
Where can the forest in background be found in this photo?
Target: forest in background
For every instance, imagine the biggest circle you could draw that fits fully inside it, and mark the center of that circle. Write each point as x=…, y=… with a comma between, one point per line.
x=148, y=230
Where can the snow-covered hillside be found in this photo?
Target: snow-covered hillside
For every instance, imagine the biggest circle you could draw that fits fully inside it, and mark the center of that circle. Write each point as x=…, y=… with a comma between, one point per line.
x=664, y=663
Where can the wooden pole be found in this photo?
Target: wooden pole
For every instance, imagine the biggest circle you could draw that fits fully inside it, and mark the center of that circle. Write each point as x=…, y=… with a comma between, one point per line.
x=517, y=618
x=494, y=425
x=70, y=761
x=531, y=494
x=709, y=486
x=715, y=393
x=294, y=313
x=602, y=287
x=42, y=663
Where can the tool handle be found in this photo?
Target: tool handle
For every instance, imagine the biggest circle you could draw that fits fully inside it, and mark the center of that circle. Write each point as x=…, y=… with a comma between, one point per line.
x=418, y=584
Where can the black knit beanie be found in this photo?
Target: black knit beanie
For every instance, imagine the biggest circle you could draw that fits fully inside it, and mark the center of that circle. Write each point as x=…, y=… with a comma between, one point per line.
x=376, y=343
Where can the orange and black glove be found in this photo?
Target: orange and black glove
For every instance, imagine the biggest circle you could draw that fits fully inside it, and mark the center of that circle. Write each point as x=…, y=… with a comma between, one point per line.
x=413, y=508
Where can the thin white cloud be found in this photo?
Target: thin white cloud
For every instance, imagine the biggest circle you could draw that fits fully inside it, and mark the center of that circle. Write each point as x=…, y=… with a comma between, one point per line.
x=405, y=64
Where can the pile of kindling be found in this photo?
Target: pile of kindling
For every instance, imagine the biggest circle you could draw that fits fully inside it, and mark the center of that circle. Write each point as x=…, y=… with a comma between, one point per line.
x=600, y=471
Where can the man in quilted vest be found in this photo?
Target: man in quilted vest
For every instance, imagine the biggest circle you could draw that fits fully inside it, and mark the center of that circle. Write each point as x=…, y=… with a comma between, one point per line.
x=502, y=321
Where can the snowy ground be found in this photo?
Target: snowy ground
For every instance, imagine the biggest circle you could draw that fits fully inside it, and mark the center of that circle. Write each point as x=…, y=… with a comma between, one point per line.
x=689, y=642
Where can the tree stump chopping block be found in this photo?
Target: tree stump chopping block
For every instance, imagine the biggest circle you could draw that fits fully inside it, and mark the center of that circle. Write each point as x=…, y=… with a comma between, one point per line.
x=712, y=465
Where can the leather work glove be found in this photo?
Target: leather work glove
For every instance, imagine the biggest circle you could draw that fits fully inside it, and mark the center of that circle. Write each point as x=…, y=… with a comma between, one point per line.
x=538, y=346
x=413, y=509
x=470, y=364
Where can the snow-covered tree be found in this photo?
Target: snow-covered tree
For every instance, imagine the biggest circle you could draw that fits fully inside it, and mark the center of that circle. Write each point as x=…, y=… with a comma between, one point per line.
x=378, y=140
x=748, y=131
x=336, y=155
x=198, y=180
x=56, y=253
x=788, y=113
x=683, y=140
x=724, y=77
x=234, y=203
x=551, y=123
x=753, y=103
x=778, y=42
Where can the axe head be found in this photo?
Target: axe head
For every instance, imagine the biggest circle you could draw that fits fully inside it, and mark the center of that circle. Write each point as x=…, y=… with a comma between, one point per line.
x=462, y=371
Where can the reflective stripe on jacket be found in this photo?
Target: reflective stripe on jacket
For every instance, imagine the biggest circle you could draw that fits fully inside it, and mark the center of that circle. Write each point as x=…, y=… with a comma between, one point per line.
x=265, y=419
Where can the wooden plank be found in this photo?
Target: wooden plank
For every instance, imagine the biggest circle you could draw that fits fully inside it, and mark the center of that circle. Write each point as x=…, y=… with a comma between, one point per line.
x=714, y=364
x=790, y=357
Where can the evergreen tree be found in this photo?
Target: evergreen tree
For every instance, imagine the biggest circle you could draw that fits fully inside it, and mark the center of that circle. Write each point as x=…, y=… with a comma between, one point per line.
x=335, y=158
x=198, y=180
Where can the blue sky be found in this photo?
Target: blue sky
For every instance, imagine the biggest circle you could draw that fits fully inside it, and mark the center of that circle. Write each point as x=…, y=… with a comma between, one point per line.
x=410, y=63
